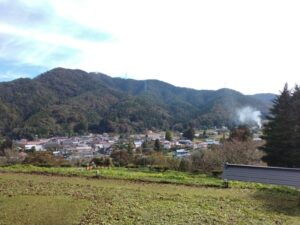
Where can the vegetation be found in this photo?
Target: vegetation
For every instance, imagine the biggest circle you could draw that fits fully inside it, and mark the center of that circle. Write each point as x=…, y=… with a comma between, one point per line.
x=168, y=135
x=282, y=132
x=5, y=144
x=36, y=199
x=137, y=174
x=157, y=145
x=102, y=162
x=241, y=134
x=189, y=133
x=144, y=175
x=230, y=151
x=44, y=159
x=67, y=102
x=35, y=209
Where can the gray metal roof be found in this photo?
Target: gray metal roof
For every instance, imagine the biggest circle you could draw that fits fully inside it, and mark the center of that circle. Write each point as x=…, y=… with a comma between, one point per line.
x=260, y=174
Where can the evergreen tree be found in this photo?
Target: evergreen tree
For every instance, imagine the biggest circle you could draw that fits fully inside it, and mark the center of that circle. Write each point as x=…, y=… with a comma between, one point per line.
x=81, y=127
x=278, y=132
x=106, y=126
x=189, y=133
x=157, y=146
x=204, y=134
x=144, y=144
x=130, y=147
x=5, y=144
x=168, y=135
x=295, y=138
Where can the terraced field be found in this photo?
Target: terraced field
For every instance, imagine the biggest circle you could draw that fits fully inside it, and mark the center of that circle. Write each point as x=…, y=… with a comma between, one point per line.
x=50, y=199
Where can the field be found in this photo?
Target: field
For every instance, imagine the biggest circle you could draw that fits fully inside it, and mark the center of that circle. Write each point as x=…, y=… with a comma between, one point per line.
x=72, y=196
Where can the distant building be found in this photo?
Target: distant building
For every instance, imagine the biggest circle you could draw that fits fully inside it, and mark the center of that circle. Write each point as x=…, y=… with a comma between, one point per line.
x=36, y=145
x=212, y=142
x=181, y=153
x=167, y=145
x=185, y=142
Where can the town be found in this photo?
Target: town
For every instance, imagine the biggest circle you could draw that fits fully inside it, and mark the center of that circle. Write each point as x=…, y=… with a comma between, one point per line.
x=91, y=146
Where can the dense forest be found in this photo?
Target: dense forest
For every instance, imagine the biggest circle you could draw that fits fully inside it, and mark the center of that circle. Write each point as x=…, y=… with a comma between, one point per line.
x=66, y=102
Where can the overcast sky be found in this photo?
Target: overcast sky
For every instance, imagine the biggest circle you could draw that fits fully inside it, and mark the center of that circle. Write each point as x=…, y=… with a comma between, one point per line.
x=250, y=46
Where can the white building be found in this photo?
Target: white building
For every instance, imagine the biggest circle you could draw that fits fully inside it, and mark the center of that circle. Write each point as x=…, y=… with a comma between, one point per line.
x=181, y=153
x=37, y=146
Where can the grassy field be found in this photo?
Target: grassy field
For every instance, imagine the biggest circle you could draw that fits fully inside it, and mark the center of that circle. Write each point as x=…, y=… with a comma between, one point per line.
x=40, y=199
x=137, y=174
x=141, y=175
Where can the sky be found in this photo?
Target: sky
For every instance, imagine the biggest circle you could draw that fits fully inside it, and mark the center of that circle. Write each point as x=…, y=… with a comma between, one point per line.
x=250, y=46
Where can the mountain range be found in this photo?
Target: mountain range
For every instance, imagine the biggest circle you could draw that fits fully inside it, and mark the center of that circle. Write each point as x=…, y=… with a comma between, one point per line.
x=64, y=102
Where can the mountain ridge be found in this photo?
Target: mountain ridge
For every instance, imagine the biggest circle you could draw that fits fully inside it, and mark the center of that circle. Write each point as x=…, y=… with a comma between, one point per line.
x=64, y=101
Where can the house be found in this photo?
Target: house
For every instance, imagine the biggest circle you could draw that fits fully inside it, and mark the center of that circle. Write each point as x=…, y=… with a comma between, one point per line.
x=181, y=153
x=212, y=142
x=202, y=145
x=138, y=143
x=36, y=145
x=167, y=145
x=185, y=143
x=153, y=136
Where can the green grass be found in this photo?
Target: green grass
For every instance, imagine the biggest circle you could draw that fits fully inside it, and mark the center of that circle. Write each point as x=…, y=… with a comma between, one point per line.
x=143, y=175
x=36, y=210
x=40, y=199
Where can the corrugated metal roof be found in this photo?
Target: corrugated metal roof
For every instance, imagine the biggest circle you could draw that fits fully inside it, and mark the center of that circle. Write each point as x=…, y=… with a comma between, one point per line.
x=261, y=174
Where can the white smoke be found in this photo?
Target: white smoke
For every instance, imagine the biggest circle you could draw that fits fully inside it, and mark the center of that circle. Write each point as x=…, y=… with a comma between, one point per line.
x=249, y=115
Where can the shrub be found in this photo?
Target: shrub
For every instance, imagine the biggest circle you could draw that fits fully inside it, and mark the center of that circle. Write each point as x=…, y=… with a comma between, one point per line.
x=45, y=159
x=131, y=165
x=230, y=151
x=120, y=157
x=216, y=173
x=102, y=161
x=158, y=168
x=141, y=160
x=185, y=165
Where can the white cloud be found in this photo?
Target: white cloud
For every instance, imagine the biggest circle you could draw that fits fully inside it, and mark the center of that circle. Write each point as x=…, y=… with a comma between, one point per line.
x=249, y=46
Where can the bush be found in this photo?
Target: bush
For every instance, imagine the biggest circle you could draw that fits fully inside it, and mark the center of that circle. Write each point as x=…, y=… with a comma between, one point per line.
x=44, y=159
x=230, y=151
x=84, y=164
x=216, y=173
x=185, y=165
x=173, y=163
x=66, y=165
x=141, y=160
x=102, y=161
x=158, y=168
x=131, y=165
x=120, y=157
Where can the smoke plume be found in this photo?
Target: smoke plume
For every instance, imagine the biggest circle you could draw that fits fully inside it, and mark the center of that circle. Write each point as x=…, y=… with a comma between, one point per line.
x=249, y=115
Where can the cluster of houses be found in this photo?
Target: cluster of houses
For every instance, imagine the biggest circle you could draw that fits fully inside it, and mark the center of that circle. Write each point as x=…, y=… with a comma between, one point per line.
x=71, y=148
x=95, y=145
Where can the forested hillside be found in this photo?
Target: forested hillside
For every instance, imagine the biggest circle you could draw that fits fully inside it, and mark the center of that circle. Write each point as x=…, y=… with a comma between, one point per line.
x=64, y=102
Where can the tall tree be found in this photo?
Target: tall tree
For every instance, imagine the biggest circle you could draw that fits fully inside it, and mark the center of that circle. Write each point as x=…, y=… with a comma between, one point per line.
x=81, y=127
x=168, y=136
x=278, y=132
x=4, y=145
x=130, y=147
x=295, y=138
x=189, y=133
x=157, y=146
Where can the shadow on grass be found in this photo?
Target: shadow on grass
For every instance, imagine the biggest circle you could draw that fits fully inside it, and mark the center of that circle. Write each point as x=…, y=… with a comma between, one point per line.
x=279, y=201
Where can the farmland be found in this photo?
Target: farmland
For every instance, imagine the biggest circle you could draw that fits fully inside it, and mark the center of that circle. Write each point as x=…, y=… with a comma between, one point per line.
x=27, y=198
